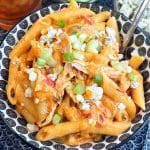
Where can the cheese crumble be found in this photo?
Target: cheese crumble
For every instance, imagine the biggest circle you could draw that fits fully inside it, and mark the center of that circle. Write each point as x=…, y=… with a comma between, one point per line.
x=28, y=92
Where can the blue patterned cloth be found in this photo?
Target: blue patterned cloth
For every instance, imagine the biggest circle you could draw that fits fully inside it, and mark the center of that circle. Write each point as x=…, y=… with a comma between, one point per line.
x=10, y=141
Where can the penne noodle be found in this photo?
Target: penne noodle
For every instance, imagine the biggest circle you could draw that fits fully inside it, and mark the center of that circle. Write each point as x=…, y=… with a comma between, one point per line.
x=124, y=82
x=137, y=94
x=11, y=87
x=67, y=14
x=113, y=91
x=112, y=23
x=27, y=115
x=101, y=17
x=136, y=61
x=62, y=129
x=112, y=128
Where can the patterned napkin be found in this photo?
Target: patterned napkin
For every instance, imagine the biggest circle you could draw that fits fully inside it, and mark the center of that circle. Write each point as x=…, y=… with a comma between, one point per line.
x=147, y=139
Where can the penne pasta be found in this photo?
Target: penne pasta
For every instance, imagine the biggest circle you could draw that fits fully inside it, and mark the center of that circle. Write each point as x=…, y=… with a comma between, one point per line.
x=112, y=23
x=112, y=128
x=137, y=94
x=113, y=91
x=101, y=17
x=62, y=129
x=136, y=61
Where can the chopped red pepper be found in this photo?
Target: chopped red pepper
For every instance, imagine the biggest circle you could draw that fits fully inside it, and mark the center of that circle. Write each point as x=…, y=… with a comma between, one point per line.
x=87, y=113
x=50, y=82
x=87, y=19
x=101, y=119
x=122, y=91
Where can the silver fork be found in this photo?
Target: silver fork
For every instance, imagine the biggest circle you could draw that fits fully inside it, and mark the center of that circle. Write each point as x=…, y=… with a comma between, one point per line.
x=134, y=24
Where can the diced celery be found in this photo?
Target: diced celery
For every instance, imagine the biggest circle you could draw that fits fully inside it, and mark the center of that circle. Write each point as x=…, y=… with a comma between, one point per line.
x=82, y=37
x=57, y=119
x=68, y=57
x=45, y=54
x=41, y=62
x=132, y=77
x=92, y=46
x=98, y=79
x=77, y=45
x=78, y=89
x=51, y=61
x=73, y=38
x=117, y=65
x=78, y=56
x=59, y=69
x=76, y=33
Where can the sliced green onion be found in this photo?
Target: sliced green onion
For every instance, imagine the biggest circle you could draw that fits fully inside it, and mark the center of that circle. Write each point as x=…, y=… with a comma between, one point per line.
x=45, y=54
x=98, y=78
x=82, y=37
x=59, y=69
x=68, y=57
x=117, y=65
x=132, y=77
x=93, y=46
x=78, y=88
x=61, y=23
x=51, y=61
x=41, y=62
x=57, y=119
x=78, y=56
x=76, y=33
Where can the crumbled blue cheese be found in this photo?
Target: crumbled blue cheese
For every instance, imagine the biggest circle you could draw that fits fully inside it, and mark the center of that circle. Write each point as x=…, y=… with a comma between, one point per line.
x=99, y=34
x=32, y=74
x=111, y=38
x=53, y=76
x=121, y=106
x=80, y=98
x=97, y=102
x=134, y=84
x=85, y=105
x=28, y=92
x=51, y=32
x=43, y=39
x=59, y=31
x=97, y=92
x=32, y=127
